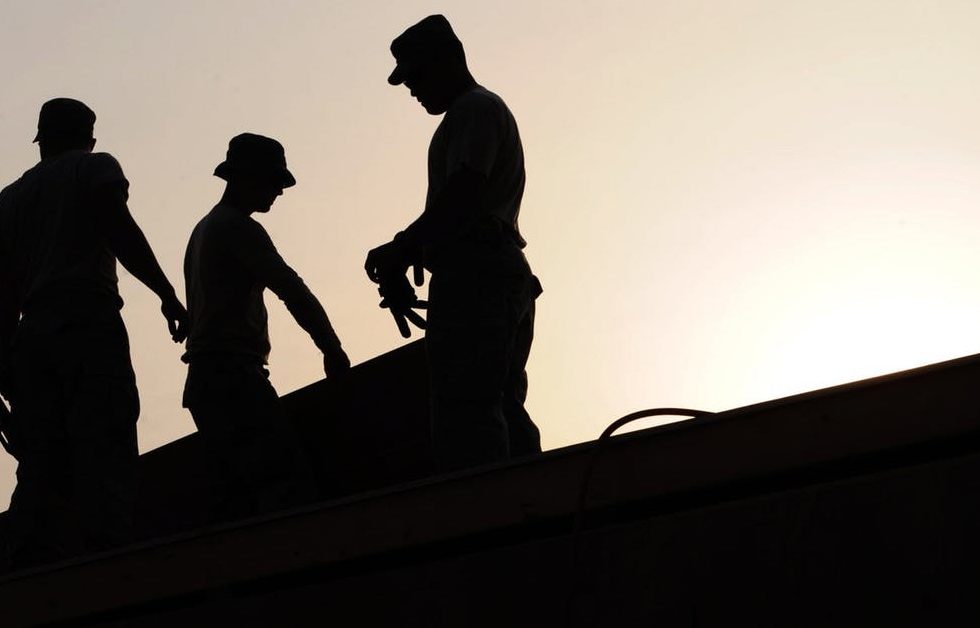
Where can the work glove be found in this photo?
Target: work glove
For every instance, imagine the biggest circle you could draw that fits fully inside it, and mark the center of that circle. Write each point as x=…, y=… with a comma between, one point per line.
x=398, y=297
x=394, y=258
x=387, y=260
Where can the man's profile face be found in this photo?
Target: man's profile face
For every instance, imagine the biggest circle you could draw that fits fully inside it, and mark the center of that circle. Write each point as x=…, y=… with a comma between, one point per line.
x=263, y=192
x=268, y=192
x=427, y=86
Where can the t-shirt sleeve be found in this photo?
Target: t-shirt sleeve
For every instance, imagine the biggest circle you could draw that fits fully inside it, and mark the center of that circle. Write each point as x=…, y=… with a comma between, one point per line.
x=102, y=169
x=473, y=136
x=253, y=248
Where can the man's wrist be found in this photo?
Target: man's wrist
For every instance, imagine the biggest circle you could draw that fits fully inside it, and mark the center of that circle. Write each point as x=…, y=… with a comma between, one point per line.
x=167, y=293
x=406, y=241
x=329, y=344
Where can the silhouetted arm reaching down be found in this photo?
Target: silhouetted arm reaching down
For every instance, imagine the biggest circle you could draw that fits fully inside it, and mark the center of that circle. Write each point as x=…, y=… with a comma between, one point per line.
x=470, y=139
x=9, y=315
x=255, y=250
x=128, y=243
x=450, y=214
x=462, y=156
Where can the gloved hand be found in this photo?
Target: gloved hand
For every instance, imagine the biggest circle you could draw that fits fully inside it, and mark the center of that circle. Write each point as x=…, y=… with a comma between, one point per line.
x=418, y=274
x=400, y=299
x=386, y=260
x=393, y=258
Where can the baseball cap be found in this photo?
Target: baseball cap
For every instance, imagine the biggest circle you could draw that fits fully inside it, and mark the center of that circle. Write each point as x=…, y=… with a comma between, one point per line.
x=64, y=118
x=419, y=43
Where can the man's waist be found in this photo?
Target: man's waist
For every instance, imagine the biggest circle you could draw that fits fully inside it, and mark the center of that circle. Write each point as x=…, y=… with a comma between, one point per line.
x=73, y=300
x=226, y=347
x=489, y=240
x=494, y=231
x=217, y=357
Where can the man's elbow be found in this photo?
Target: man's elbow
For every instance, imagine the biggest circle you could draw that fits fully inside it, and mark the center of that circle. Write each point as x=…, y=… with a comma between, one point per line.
x=110, y=207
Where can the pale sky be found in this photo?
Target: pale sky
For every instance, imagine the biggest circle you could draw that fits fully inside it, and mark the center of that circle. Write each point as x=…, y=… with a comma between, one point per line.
x=727, y=202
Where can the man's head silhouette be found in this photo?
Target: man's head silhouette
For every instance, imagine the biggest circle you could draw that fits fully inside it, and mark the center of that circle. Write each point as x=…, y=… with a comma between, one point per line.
x=65, y=124
x=430, y=61
x=256, y=172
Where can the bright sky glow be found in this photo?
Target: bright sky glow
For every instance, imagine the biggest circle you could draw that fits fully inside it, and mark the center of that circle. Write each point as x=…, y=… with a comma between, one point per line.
x=727, y=202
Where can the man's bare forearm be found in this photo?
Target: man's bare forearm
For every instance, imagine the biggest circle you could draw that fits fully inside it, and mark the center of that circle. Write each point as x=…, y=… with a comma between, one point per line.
x=134, y=253
x=130, y=246
x=310, y=315
x=454, y=209
x=305, y=308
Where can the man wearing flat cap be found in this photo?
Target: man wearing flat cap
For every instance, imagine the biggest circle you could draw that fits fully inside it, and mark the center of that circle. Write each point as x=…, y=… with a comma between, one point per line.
x=64, y=351
x=229, y=263
x=482, y=292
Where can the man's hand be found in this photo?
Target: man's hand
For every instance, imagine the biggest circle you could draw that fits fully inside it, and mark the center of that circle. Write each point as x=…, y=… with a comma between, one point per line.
x=176, y=315
x=399, y=298
x=386, y=260
x=335, y=362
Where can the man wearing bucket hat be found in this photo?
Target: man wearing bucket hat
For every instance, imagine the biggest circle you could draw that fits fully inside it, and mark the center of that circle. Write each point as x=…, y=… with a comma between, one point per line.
x=64, y=352
x=482, y=292
x=229, y=263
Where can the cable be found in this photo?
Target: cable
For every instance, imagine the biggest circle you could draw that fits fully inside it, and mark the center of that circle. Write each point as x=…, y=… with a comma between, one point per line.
x=582, y=507
x=604, y=438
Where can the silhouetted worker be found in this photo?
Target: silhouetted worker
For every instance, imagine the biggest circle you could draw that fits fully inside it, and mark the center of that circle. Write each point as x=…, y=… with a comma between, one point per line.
x=482, y=291
x=230, y=261
x=65, y=352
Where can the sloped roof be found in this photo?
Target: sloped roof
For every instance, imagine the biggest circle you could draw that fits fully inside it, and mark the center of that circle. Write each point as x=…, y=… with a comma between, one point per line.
x=881, y=423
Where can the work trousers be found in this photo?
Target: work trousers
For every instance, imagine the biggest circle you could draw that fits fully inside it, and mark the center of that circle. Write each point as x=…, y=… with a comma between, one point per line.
x=73, y=431
x=478, y=339
x=258, y=462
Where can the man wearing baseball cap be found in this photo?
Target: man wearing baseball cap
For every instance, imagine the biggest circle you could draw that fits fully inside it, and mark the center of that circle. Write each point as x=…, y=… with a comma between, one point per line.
x=482, y=292
x=64, y=352
x=229, y=263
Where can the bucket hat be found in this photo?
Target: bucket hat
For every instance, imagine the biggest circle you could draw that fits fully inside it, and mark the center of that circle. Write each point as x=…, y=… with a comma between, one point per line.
x=251, y=154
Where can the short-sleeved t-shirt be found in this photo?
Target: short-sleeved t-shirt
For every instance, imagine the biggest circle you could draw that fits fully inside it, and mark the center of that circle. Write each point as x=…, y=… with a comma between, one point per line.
x=52, y=238
x=479, y=132
x=230, y=261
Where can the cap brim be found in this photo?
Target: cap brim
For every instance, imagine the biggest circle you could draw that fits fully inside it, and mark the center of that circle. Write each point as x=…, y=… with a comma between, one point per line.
x=397, y=76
